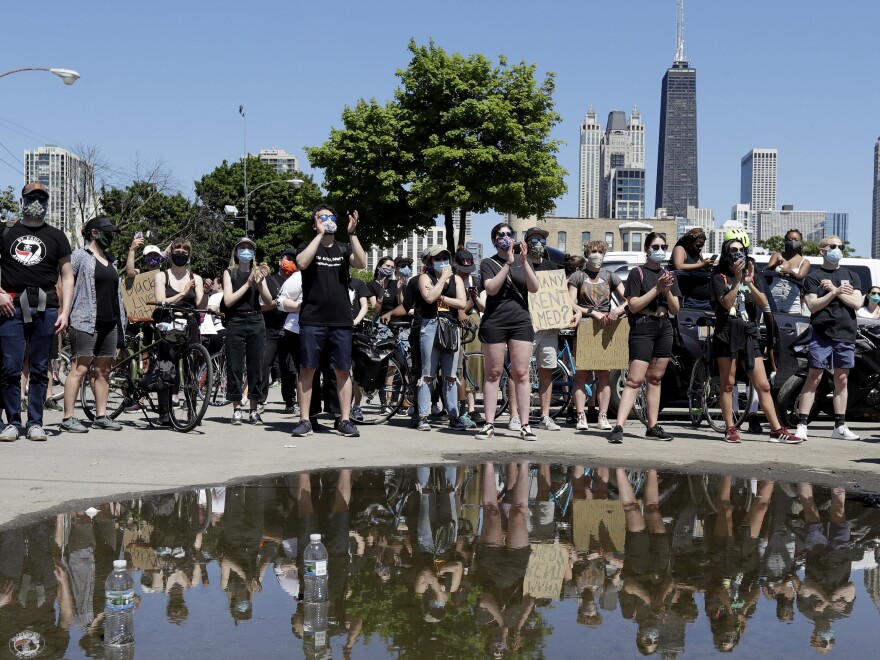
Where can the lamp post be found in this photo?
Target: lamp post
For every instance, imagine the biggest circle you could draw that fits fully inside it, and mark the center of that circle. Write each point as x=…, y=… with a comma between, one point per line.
x=69, y=76
x=232, y=211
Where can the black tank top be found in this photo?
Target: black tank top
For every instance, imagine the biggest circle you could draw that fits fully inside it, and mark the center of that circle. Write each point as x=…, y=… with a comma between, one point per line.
x=189, y=299
x=250, y=301
x=431, y=310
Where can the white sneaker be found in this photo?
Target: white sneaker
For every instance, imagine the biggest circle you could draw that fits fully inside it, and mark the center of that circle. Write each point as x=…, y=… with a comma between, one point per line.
x=582, y=422
x=843, y=433
x=801, y=431
x=514, y=424
x=547, y=424
x=604, y=424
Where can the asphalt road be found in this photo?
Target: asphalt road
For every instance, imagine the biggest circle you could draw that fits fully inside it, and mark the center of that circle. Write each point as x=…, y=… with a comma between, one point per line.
x=73, y=470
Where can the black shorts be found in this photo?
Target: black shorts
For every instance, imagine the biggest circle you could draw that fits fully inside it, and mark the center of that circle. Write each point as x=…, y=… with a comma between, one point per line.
x=502, y=335
x=721, y=346
x=650, y=337
x=645, y=553
x=500, y=566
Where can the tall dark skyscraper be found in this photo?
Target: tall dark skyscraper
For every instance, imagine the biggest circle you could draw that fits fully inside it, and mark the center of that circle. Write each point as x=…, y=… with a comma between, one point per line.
x=677, y=151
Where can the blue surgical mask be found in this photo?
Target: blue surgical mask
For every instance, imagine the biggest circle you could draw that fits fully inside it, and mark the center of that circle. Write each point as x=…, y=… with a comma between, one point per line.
x=441, y=265
x=245, y=254
x=834, y=256
x=657, y=256
x=875, y=298
x=406, y=271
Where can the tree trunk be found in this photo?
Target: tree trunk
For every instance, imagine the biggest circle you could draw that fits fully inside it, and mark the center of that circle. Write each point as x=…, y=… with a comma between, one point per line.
x=450, y=230
x=462, y=228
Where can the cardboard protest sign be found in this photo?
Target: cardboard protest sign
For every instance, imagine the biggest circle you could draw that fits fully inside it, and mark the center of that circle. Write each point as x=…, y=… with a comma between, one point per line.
x=546, y=571
x=551, y=307
x=136, y=292
x=598, y=524
x=602, y=348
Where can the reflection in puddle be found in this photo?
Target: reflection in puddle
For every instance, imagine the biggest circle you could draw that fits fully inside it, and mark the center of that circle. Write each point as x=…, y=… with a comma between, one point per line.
x=516, y=560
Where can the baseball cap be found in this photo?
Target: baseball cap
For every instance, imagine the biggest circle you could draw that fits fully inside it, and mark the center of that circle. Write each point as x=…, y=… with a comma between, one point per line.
x=402, y=261
x=464, y=258
x=101, y=223
x=34, y=187
x=536, y=230
x=245, y=239
x=436, y=250
x=290, y=253
x=152, y=249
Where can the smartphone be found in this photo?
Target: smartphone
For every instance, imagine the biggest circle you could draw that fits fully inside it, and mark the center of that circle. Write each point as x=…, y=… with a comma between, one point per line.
x=139, y=234
x=517, y=248
x=844, y=282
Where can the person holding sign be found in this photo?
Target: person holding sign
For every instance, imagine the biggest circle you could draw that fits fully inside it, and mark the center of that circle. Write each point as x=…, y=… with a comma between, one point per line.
x=652, y=294
x=590, y=292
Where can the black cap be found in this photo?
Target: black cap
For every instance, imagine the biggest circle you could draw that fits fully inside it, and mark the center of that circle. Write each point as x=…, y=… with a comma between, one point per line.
x=290, y=253
x=464, y=257
x=401, y=260
x=34, y=188
x=101, y=223
x=536, y=230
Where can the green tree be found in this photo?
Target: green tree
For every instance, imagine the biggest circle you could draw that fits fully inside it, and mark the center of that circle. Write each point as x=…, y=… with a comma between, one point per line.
x=808, y=248
x=8, y=202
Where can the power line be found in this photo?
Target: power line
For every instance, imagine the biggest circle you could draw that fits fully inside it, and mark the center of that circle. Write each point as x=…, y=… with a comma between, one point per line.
x=12, y=154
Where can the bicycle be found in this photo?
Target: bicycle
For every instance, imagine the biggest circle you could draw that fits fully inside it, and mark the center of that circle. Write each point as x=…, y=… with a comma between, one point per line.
x=381, y=374
x=192, y=365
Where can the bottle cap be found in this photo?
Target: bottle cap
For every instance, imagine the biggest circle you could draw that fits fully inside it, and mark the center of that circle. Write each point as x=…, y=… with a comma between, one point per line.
x=314, y=537
x=120, y=564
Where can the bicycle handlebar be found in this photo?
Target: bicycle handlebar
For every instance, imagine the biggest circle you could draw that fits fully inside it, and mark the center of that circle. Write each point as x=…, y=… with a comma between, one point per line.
x=175, y=307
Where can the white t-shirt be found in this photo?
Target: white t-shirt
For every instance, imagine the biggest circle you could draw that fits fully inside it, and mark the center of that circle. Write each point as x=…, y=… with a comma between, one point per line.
x=292, y=290
x=207, y=327
x=214, y=301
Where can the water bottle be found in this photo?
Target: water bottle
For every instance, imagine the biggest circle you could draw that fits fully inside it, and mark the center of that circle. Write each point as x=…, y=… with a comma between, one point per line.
x=316, y=641
x=315, y=574
x=119, y=612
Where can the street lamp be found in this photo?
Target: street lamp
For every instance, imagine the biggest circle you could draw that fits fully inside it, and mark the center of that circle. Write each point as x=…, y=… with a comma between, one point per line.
x=232, y=211
x=69, y=76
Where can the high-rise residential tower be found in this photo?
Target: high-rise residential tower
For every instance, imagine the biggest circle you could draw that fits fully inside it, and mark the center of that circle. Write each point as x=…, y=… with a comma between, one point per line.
x=70, y=182
x=283, y=162
x=622, y=159
x=757, y=186
x=590, y=174
x=875, y=215
x=677, y=185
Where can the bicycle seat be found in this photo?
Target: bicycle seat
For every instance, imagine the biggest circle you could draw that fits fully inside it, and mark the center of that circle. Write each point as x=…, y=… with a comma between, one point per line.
x=399, y=324
x=706, y=321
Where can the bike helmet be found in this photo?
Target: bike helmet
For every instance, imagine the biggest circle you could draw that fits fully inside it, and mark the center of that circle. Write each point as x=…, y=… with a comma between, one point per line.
x=737, y=234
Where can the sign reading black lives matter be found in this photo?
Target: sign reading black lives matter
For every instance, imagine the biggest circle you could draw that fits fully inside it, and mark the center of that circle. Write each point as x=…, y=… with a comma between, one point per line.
x=136, y=292
x=551, y=307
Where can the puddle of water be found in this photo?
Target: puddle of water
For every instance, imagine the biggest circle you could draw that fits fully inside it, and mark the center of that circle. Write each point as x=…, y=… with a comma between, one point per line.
x=518, y=560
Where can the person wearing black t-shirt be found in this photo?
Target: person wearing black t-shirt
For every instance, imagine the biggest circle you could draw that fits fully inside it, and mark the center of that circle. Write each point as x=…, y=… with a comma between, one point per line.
x=325, y=317
x=737, y=296
x=652, y=295
x=97, y=323
x=32, y=254
x=832, y=294
x=275, y=344
x=508, y=278
x=385, y=293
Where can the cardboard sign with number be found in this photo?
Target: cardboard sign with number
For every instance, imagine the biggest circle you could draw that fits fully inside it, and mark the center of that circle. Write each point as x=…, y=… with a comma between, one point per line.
x=136, y=292
x=602, y=348
x=551, y=307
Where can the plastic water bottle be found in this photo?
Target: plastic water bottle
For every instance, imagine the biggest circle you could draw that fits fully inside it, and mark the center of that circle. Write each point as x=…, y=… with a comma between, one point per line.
x=315, y=574
x=316, y=641
x=119, y=612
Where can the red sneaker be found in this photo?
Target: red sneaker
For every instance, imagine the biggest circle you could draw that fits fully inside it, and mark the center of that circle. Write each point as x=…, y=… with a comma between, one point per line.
x=784, y=436
x=731, y=435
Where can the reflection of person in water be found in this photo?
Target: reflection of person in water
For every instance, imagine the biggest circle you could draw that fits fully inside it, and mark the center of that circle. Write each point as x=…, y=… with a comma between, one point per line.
x=778, y=557
x=826, y=594
x=500, y=559
x=733, y=591
x=32, y=580
x=241, y=567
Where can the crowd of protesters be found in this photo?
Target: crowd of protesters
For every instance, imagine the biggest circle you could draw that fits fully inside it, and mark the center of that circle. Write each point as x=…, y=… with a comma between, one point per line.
x=298, y=323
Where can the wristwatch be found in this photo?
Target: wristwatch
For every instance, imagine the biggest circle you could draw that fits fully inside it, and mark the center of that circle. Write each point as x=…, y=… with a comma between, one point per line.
x=353, y=232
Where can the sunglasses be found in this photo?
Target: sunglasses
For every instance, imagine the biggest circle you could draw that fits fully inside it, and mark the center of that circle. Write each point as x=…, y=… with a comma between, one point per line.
x=325, y=218
x=736, y=251
x=659, y=247
x=538, y=239
x=502, y=234
x=833, y=246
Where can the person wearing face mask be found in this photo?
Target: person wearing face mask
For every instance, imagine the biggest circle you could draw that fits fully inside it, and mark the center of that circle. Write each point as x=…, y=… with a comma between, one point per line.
x=506, y=327
x=738, y=296
x=468, y=280
x=871, y=309
x=244, y=294
x=687, y=257
x=32, y=254
x=652, y=295
x=793, y=269
x=385, y=293
x=325, y=316
x=441, y=297
x=832, y=293
x=591, y=292
x=97, y=321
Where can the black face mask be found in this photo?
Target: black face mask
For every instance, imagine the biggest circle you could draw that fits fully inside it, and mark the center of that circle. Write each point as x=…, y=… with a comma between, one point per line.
x=792, y=246
x=179, y=259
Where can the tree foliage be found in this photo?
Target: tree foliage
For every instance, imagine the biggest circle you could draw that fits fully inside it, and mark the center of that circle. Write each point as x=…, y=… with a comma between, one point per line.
x=8, y=203
x=808, y=248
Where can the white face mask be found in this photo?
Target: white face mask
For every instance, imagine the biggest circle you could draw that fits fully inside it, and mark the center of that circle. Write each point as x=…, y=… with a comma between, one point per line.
x=657, y=256
x=595, y=260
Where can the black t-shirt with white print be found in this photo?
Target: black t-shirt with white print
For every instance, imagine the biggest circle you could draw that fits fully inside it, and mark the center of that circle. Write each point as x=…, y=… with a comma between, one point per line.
x=325, y=287
x=642, y=279
x=29, y=256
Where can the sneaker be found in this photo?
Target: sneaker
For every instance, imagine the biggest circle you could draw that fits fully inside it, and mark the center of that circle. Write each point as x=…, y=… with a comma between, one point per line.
x=36, y=432
x=289, y=410
x=386, y=410
x=477, y=417
x=604, y=424
x=456, y=424
x=435, y=411
x=133, y=408
x=784, y=436
x=657, y=433
x=528, y=434
x=514, y=424
x=801, y=432
x=348, y=429
x=423, y=424
x=106, y=423
x=302, y=429
x=843, y=433
x=731, y=435
x=570, y=416
x=254, y=417
x=73, y=425
x=547, y=424
x=467, y=421
x=755, y=426
x=52, y=404
x=261, y=408
x=616, y=435
x=582, y=424
x=236, y=417
x=165, y=420
x=10, y=433
x=357, y=414
x=486, y=432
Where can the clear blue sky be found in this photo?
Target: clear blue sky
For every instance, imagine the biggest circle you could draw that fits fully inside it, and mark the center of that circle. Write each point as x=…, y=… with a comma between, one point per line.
x=165, y=79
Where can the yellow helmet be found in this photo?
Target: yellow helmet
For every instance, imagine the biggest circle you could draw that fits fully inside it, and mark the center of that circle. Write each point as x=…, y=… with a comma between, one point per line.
x=737, y=234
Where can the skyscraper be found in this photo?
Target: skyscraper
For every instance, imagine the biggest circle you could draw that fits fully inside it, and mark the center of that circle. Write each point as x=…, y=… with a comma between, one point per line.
x=590, y=176
x=677, y=185
x=70, y=182
x=875, y=215
x=757, y=186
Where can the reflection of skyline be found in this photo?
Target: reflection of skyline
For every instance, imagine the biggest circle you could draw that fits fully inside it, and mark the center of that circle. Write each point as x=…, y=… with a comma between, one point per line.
x=514, y=558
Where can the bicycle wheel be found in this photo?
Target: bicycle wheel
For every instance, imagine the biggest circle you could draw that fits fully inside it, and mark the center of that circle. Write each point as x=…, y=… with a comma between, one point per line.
x=379, y=404
x=117, y=397
x=560, y=392
x=695, y=393
x=218, y=392
x=61, y=367
x=191, y=361
x=640, y=405
x=474, y=373
x=741, y=399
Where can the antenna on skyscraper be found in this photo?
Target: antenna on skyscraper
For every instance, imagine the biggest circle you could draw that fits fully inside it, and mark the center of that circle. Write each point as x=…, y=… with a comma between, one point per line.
x=679, y=31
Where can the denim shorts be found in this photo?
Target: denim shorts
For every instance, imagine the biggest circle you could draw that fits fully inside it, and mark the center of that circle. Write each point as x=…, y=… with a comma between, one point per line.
x=100, y=343
x=827, y=354
x=315, y=340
